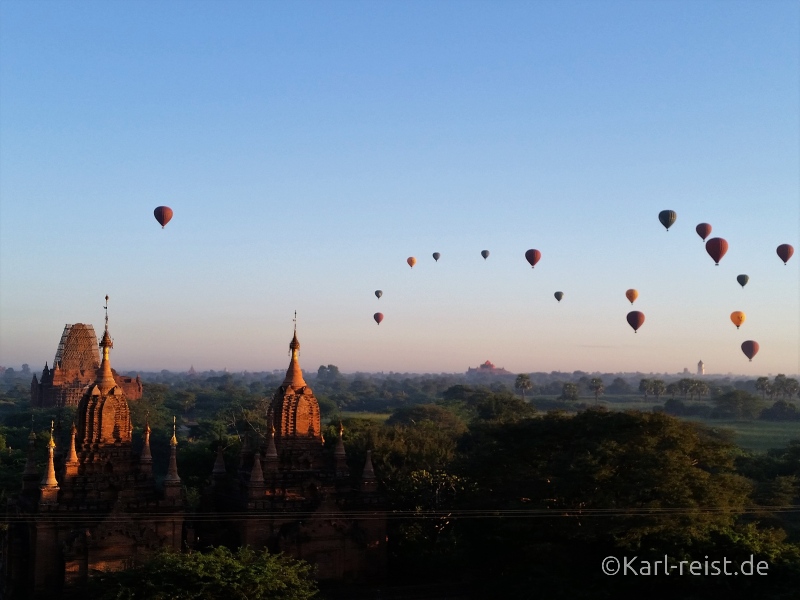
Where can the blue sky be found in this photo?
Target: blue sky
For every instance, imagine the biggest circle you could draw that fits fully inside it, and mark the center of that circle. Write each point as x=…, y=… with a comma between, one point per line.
x=309, y=148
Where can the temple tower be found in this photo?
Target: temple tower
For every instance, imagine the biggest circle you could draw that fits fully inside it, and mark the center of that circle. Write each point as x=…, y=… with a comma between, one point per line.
x=99, y=508
x=295, y=413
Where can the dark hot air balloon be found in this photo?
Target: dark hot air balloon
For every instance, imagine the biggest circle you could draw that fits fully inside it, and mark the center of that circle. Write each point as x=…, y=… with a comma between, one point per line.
x=737, y=318
x=163, y=214
x=378, y=293
x=533, y=256
x=631, y=295
x=378, y=317
x=411, y=261
x=785, y=251
x=485, y=254
x=750, y=349
x=716, y=248
x=667, y=218
x=635, y=320
x=559, y=295
x=436, y=256
x=703, y=230
x=742, y=279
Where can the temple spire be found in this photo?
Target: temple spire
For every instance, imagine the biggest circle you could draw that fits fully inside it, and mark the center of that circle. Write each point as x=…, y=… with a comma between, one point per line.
x=272, y=451
x=339, y=454
x=294, y=375
x=146, y=459
x=105, y=378
x=49, y=485
x=219, y=464
x=172, y=482
x=368, y=481
x=71, y=465
x=30, y=462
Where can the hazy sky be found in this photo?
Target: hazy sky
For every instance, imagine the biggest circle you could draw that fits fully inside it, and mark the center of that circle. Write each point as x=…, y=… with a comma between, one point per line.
x=309, y=148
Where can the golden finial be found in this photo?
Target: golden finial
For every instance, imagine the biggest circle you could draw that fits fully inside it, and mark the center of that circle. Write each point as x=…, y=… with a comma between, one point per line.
x=106, y=309
x=341, y=428
x=147, y=422
x=295, y=321
x=51, y=443
x=174, y=440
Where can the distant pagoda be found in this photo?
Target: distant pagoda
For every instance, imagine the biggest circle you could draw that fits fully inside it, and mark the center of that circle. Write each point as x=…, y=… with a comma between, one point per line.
x=487, y=369
x=74, y=369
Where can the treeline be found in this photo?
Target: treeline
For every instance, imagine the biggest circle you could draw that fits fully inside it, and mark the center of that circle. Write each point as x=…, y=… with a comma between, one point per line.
x=484, y=489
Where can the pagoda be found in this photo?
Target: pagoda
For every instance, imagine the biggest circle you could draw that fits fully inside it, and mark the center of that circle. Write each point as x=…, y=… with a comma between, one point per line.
x=74, y=367
x=293, y=494
x=96, y=509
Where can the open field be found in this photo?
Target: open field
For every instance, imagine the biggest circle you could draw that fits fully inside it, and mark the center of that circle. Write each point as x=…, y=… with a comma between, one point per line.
x=372, y=416
x=758, y=436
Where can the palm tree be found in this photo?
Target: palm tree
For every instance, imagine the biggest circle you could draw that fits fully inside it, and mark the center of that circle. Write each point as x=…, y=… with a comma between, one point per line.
x=523, y=383
x=596, y=385
x=763, y=385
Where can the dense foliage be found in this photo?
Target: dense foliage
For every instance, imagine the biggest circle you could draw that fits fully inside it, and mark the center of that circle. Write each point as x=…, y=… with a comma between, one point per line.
x=487, y=484
x=219, y=573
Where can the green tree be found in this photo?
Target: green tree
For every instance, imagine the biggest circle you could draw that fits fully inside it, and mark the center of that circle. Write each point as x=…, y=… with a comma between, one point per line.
x=697, y=388
x=569, y=391
x=737, y=405
x=764, y=386
x=220, y=573
x=659, y=388
x=597, y=387
x=523, y=383
x=672, y=389
x=645, y=386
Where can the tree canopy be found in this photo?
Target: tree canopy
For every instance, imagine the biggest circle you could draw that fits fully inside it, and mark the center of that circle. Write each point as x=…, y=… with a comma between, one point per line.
x=220, y=573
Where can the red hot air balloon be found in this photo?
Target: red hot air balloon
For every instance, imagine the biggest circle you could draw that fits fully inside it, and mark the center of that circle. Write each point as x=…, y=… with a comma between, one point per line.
x=378, y=317
x=635, y=320
x=533, y=256
x=750, y=349
x=716, y=248
x=703, y=230
x=163, y=214
x=411, y=261
x=785, y=251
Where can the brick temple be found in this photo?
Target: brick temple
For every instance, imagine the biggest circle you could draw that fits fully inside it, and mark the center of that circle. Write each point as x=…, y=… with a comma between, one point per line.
x=74, y=367
x=97, y=505
x=289, y=495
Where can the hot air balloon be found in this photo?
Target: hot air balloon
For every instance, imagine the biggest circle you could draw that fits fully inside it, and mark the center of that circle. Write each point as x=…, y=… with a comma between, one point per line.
x=559, y=295
x=750, y=349
x=378, y=293
x=667, y=218
x=742, y=279
x=378, y=317
x=703, y=230
x=785, y=251
x=163, y=214
x=635, y=320
x=533, y=256
x=411, y=261
x=716, y=248
x=737, y=317
x=436, y=256
x=485, y=254
x=632, y=295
